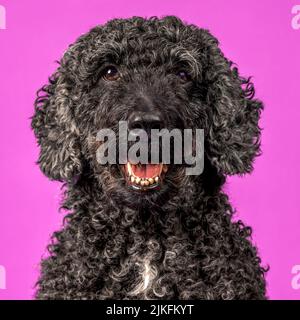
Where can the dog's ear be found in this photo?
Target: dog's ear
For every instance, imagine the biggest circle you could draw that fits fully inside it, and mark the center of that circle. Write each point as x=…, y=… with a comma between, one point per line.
x=233, y=135
x=56, y=131
x=53, y=122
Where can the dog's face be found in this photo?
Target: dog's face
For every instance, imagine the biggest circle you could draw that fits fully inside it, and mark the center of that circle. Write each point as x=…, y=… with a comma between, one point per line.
x=153, y=74
x=148, y=79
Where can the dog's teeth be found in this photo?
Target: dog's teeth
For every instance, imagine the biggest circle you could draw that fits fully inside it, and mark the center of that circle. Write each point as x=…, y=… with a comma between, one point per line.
x=156, y=179
x=129, y=169
x=151, y=181
x=146, y=182
x=165, y=168
x=132, y=179
x=137, y=180
x=142, y=182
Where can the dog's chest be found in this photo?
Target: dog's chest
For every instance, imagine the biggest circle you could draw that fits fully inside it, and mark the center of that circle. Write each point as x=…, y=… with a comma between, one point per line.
x=150, y=273
x=145, y=283
x=148, y=280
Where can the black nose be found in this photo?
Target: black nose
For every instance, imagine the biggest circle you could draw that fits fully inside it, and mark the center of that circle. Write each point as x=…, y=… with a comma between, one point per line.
x=145, y=121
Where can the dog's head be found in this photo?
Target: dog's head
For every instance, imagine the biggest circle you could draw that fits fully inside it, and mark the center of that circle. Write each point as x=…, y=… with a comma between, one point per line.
x=152, y=74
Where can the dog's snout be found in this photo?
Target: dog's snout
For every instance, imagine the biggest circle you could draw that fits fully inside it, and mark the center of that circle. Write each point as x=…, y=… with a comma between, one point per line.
x=146, y=121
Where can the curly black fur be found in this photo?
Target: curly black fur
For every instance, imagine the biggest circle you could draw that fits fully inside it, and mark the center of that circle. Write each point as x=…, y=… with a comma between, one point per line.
x=184, y=232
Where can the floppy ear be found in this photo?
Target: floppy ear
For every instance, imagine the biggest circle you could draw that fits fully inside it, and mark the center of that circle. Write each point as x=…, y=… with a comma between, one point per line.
x=233, y=137
x=53, y=123
x=56, y=131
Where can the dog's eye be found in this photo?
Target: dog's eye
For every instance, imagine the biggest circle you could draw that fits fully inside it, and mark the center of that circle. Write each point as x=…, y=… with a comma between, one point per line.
x=111, y=73
x=183, y=75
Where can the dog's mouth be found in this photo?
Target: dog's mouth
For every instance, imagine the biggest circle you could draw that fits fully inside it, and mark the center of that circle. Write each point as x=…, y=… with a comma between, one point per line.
x=145, y=176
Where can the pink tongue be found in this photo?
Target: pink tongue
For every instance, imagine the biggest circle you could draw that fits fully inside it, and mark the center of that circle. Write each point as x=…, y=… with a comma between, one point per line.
x=146, y=170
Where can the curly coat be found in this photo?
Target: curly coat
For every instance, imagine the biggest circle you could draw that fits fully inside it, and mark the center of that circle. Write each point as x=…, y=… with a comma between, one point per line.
x=181, y=241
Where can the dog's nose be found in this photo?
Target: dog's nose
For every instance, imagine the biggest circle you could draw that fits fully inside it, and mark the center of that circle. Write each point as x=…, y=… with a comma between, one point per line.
x=145, y=121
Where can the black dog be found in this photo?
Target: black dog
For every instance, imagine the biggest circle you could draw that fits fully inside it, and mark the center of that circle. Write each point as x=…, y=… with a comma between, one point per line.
x=172, y=236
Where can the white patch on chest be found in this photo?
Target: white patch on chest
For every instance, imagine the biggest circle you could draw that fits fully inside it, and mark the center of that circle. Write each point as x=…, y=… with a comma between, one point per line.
x=148, y=273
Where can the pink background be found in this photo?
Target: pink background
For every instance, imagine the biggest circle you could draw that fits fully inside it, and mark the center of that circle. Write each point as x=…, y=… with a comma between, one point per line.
x=257, y=35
